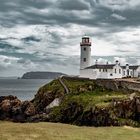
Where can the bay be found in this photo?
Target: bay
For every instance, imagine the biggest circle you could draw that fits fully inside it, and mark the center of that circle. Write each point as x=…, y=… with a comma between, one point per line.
x=24, y=89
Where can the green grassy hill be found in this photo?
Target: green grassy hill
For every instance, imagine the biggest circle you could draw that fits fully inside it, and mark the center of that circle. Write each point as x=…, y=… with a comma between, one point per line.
x=57, y=131
x=89, y=103
x=86, y=91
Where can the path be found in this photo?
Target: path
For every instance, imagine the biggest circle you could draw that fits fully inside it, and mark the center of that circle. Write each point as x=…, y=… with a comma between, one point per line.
x=63, y=84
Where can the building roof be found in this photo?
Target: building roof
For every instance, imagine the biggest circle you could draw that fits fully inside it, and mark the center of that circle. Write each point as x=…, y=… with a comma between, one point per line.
x=110, y=66
x=131, y=67
x=99, y=66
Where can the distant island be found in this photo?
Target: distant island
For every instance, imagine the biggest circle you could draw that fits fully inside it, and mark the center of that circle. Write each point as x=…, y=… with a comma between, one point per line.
x=41, y=75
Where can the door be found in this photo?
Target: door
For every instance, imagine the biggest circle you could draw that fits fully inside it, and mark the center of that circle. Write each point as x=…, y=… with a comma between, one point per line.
x=127, y=72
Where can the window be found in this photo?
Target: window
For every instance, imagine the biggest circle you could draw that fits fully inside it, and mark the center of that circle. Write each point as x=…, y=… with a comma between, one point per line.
x=104, y=70
x=111, y=74
x=115, y=71
x=84, y=59
x=84, y=40
x=99, y=70
x=87, y=40
x=84, y=49
x=120, y=71
x=127, y=72
x=123, y=72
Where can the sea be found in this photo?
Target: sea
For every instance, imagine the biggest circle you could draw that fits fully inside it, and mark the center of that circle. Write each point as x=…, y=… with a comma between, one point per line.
x=24, y=89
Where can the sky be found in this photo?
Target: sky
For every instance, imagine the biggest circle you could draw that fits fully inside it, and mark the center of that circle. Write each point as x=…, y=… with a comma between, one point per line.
x=45, y=35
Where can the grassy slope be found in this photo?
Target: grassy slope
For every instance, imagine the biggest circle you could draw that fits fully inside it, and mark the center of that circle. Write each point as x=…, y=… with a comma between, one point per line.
x=94, y=96
x=51, y=131
x=85, y=96
x=83, y=90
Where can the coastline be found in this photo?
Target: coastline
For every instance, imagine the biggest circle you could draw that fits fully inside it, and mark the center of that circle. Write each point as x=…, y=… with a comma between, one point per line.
x=85, y=97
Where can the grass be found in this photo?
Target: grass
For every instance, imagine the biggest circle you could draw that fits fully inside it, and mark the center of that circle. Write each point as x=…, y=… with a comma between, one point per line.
x=74, y=84
x=84, y=91
x=100, y=99
x=52, y=131
x=92, y=96
x=53, y=85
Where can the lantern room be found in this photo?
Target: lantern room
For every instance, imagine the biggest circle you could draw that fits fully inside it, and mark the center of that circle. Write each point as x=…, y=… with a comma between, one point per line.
x=85, y=41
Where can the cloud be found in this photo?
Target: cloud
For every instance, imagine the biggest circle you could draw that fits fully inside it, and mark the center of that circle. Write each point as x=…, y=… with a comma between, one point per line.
x=46, y=34
x=56, y=47
x=31, y=39
x=118, y=4
x=73, y=5
x=119, y=17
x=82, y=12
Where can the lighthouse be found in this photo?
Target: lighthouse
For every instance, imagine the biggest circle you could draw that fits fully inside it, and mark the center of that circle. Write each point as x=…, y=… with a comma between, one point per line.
x=85, y=60
x=103, y=71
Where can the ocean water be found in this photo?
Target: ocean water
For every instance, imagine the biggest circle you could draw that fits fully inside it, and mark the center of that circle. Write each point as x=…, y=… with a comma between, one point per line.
x=24, y=89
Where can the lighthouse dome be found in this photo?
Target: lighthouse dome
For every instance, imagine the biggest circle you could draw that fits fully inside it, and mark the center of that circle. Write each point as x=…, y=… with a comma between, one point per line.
x=85, y=36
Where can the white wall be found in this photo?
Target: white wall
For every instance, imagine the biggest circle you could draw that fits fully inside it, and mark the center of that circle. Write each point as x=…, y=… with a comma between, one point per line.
x=96, y=74
x=88, y=73
x=85, y=54
x=117, y=72
x=137, y=72
x=132, y=73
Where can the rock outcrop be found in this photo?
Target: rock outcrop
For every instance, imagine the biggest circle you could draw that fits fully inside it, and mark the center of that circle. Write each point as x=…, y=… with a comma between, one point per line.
x=11, y=108
x=118, y=113
x=119, y=85
x=47, y=94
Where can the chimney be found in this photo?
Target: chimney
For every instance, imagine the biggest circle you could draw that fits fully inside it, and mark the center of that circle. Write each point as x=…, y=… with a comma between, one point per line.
x=127, y=66
x=117, y=62
x=96, y=62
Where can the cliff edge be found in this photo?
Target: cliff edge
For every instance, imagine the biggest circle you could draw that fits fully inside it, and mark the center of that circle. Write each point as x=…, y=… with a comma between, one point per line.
x=89, y=102
x=78, y=101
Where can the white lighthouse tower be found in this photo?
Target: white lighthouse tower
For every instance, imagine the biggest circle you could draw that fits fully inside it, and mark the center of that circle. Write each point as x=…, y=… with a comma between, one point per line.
x=85, y=60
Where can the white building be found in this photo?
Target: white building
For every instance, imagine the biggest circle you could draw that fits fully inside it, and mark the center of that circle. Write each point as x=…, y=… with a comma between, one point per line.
x=106, y=71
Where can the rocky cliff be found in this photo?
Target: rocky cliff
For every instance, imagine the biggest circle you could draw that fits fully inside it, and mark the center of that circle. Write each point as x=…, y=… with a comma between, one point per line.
x=88, y=102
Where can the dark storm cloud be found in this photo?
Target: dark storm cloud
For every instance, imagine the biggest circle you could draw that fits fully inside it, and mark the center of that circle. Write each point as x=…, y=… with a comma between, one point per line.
x=62, y=12
x=73, y=5
x=8, y=5
x=39, y=4
x=31, y=39
x=7, y=47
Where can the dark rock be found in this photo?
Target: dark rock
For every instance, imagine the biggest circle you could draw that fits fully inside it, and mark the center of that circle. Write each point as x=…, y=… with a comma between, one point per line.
x=38, y=118
x=10, y=97
x=28, y=108
x=11, y=108
x=5, y=106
